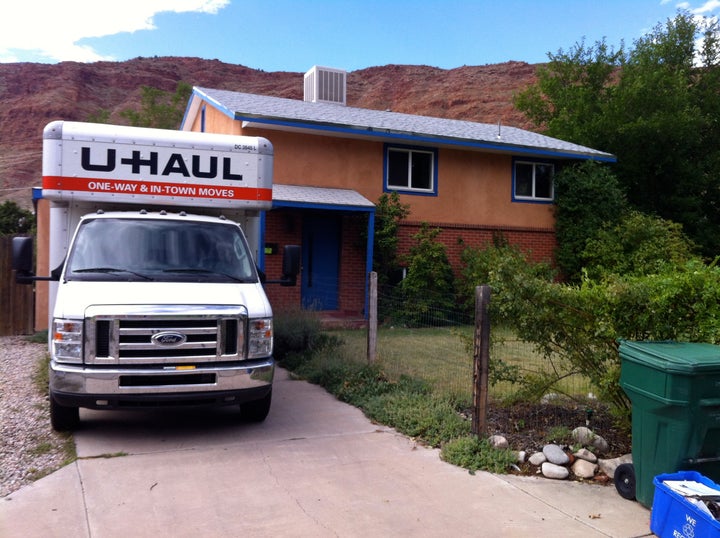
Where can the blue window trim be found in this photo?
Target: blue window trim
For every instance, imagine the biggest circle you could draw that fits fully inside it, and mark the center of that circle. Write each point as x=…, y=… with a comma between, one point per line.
x=411, y=192
x=525, y=200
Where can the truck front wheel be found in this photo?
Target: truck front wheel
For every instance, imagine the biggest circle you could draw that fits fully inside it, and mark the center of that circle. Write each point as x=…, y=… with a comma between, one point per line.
x=63, y=418
x=257, y=410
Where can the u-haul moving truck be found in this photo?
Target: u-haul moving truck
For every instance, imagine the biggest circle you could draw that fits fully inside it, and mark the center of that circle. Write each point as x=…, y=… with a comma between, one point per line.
x=156, y=298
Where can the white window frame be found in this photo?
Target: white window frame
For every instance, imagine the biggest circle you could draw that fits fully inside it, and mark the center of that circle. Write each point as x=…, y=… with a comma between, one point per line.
x=533, y=197
x=410, y=151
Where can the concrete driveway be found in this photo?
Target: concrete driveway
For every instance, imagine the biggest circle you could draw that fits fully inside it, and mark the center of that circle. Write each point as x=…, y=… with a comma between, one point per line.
x=316, y=467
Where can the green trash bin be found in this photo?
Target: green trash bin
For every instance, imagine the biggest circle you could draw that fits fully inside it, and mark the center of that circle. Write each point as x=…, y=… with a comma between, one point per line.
x=674, y=388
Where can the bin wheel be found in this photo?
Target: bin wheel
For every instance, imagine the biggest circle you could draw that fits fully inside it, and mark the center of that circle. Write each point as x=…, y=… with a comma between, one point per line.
x=625, y=481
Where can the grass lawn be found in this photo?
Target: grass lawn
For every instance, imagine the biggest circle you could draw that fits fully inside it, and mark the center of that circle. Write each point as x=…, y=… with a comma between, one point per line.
x=441, y=357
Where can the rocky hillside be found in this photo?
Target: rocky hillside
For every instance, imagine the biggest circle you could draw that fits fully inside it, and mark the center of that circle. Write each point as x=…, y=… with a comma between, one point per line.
x=34, y=94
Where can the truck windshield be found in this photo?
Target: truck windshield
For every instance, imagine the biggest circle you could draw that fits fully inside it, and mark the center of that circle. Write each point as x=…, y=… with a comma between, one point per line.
x=159, y=250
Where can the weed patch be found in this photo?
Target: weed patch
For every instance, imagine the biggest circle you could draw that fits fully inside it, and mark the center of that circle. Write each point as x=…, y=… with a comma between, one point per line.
x=476, y=454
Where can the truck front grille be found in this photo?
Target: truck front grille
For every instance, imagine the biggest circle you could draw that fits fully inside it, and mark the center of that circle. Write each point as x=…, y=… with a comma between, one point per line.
x=146, y=339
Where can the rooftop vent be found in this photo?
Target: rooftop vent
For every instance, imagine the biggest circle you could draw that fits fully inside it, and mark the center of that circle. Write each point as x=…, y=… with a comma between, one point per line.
x=325, y=85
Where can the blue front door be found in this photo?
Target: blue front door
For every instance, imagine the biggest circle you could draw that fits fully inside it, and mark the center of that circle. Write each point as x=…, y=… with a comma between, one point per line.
x=321, y=261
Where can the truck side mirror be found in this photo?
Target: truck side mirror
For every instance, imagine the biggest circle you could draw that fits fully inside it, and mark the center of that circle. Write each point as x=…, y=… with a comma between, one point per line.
x=22, y=259
x=290, y=265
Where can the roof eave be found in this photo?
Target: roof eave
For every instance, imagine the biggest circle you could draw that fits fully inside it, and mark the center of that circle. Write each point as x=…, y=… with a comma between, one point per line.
x=354, y=131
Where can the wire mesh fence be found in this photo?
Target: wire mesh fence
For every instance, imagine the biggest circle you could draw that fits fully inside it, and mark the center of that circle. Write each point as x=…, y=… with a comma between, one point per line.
x=438, y=348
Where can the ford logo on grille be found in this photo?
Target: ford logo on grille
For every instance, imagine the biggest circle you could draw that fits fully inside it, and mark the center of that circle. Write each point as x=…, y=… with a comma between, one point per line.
x=168, y=339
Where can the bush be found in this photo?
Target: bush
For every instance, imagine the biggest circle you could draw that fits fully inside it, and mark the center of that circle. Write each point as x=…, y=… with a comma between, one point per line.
x=637, y=245
x=295, y=332
x=431, y=419
x=476, y=454
x=430, y=283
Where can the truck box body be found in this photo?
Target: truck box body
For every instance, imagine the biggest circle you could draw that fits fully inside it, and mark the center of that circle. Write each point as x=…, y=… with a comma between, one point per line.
x=158, y=301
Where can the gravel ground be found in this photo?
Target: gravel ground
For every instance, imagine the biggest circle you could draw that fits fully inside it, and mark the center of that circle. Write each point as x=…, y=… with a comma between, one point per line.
x=29, y=448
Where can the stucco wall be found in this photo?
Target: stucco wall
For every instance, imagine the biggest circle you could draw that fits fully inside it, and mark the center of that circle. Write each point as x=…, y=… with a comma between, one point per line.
x=474, y=188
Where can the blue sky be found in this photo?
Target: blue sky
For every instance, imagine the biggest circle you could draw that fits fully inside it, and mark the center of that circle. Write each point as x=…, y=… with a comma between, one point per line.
x=294, y=35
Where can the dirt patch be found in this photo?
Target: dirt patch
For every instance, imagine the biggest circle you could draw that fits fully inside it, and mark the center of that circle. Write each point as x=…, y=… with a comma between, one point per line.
x=530, y=426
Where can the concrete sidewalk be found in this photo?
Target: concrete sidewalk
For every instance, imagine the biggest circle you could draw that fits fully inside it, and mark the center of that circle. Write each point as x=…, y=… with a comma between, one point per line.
x=316, y=467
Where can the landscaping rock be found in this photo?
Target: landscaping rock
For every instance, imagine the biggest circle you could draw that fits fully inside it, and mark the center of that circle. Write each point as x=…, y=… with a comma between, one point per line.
x=499, y=441
x=586, y=437
x=585, y=454
x=583, y=468
x=537, y=459
x=557, y=472
x=608, y=466
x=521, y=455
x=555, y=454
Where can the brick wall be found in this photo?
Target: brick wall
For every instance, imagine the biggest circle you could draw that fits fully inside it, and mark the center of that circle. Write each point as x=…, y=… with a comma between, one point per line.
x=284, y=227
x=539, y=243
x=353, y=273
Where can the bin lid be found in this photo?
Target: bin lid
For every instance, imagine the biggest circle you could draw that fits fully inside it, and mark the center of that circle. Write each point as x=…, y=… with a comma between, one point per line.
x=679, y=357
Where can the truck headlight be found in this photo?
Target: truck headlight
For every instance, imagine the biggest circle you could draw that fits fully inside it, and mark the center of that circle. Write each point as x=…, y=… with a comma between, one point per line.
x=260, y=341
x=67, y=340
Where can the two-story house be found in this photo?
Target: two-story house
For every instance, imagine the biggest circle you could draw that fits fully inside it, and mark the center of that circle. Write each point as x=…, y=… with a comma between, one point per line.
x=332, y=162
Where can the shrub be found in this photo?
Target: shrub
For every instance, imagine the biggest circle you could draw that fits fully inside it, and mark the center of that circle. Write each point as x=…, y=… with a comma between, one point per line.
x=430, y=284
x=637, y=245
x=295, y=331
x=476, y=454
x=431, y=419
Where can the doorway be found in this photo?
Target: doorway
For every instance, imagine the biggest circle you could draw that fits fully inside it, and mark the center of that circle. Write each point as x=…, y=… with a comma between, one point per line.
x=321, y=262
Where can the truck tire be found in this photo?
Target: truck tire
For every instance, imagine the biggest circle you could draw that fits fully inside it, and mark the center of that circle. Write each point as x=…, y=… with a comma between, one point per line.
x=257, y=410
x=63, y=419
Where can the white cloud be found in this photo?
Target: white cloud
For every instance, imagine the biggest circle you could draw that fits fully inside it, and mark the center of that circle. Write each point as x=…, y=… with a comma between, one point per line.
x=707, y=8
x=49, y=30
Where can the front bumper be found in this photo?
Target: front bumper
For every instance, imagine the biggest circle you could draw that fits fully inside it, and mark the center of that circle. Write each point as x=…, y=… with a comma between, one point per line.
x=105, y=388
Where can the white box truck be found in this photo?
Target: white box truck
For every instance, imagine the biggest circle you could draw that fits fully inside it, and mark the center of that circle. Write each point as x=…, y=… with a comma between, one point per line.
x=155, y=298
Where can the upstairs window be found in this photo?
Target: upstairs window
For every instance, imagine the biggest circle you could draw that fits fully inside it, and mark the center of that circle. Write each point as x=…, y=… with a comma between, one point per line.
x=411, y=170
x=533, y=181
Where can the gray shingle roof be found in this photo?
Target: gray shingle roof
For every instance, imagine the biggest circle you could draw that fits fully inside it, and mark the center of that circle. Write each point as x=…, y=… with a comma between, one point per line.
x=300, y=194
x=277, y=112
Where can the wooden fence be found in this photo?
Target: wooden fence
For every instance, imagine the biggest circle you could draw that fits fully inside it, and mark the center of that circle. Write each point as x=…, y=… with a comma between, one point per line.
x=16, y=300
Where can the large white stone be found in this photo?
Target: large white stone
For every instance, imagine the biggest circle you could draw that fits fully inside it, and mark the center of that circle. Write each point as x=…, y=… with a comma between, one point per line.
x=583, y=468
x=555, y=454
x=586, y=437
x=608, y=466
x=537, y=459
x=498, y=441
x=585, y=454
x=558, y=472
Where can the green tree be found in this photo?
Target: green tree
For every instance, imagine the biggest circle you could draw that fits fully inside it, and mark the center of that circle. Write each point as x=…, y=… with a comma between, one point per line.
x=428, y=290
x=15, y=220
x=588, y=198
x=389, y=212
x=573, y=91
x=160, y=109
x=655, y=107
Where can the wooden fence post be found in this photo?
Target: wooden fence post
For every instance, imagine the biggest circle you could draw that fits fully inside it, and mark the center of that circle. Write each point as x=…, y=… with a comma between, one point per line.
x=17, y=300
x=481, y=360
x=372, y=319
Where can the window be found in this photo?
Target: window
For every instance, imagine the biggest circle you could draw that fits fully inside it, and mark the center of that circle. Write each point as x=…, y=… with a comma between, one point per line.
x=533, y=181
x=411, y=169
